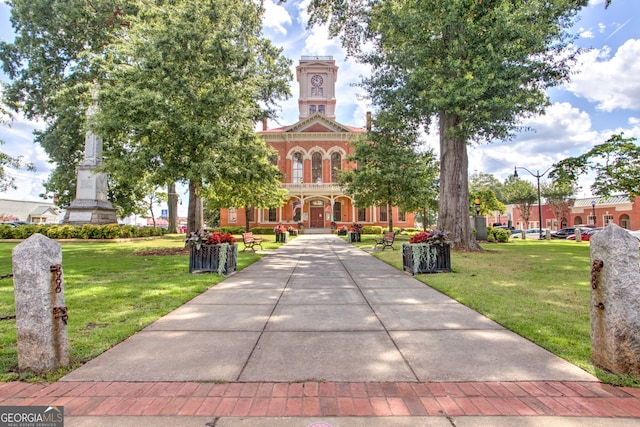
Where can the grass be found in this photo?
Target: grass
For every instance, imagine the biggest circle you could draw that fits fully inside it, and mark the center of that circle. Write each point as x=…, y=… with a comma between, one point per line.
x=538, y=289
x=112, y=292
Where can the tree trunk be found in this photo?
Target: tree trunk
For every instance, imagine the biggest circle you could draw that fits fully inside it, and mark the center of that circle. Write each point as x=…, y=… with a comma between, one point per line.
x=172, y=205
x=199, y=213
x=453, y=212
x=247, y=226
x=390, y=216
x=193, y=207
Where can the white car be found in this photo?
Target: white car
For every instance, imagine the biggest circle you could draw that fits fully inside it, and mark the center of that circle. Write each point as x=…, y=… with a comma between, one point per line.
x=635, y=234
x=532, y=233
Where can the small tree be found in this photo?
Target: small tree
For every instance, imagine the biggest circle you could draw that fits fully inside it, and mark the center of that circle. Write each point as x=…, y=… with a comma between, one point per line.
x=523, y=195
x=559, y=198
x=389, y=171
x=616, y=164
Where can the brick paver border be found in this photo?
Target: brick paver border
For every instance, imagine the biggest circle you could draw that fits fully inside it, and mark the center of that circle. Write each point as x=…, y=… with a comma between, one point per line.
x=312, y=399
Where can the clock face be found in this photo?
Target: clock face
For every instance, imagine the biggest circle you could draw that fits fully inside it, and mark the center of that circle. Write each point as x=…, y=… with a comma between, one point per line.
x=316, y=80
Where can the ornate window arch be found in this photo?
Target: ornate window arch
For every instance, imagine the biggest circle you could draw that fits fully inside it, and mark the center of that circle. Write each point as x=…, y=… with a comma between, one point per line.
x=316, y=167
x=297, y=167
x=336, y=165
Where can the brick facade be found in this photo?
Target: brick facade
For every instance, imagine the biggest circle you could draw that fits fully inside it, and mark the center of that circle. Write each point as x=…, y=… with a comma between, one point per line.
x=310, y=154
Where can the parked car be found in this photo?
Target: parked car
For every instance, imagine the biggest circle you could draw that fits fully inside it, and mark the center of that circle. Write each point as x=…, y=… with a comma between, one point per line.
x=563, y=233
x=586, y=234
x=532, y=233
x=635, y=234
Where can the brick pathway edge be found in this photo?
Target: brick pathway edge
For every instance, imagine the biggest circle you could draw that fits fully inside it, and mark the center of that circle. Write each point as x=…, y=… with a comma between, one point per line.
x=324, y=399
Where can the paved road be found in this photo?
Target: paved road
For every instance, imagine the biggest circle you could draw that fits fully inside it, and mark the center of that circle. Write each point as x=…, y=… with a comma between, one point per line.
x=322, y=329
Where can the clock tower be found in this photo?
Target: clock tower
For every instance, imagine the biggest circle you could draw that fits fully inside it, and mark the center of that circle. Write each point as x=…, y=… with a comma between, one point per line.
x=317, y=77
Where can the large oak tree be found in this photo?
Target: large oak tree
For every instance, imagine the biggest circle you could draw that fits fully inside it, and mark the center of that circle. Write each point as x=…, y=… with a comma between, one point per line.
x=183, y=87
x=477, y=67
x=179, y=85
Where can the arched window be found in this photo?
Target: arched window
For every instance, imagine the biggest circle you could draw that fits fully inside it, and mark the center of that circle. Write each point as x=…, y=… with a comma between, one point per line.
x=297, y=168
x=336, y=166
x=625, y=221
x=337, y=211
x=316, y=167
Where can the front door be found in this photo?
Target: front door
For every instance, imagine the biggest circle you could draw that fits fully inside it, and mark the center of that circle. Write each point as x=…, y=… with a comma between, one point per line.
x=316, y=217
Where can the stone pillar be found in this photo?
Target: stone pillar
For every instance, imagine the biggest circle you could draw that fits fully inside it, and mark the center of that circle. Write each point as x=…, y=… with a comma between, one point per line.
x=578, y=235
x=615, y=301
x=481, y=227
x=40, y=311
x=91, y=205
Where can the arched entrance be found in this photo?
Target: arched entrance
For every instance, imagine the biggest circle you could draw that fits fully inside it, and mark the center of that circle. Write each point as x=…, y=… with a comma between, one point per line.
x=316, y=214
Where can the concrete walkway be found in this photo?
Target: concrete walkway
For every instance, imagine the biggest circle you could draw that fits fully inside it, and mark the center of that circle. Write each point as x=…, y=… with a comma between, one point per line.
x=322, y=329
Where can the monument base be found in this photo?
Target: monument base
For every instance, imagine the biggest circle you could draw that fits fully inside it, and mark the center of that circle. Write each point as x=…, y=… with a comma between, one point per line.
x=96, y=212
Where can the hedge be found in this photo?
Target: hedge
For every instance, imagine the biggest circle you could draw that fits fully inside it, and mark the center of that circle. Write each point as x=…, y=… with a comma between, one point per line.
x=87, y=231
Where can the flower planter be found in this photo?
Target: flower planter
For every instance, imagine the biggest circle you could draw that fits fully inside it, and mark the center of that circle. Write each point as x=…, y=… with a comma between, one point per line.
x=282, y=237
x=426, y=257
x=221, y=258
x=342, y=232
x=354, y=236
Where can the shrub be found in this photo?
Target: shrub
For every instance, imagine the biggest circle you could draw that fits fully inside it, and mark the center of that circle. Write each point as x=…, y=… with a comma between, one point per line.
x=128, y=231
x=6, y=231
x=87, y=231
x=502, y=235
x=262, y=230
x=232, y=230
x=371, y=229
x=499, y=235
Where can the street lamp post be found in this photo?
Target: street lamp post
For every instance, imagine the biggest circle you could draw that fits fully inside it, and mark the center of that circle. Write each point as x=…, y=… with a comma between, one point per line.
x=537, y=176
x=593, y=207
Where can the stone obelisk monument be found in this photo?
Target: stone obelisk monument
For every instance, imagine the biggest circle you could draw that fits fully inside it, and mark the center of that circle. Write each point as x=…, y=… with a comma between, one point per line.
x=91, y=205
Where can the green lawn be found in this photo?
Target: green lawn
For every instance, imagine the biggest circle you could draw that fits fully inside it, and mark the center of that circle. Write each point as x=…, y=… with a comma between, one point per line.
x=538, y=289
x=112, y=292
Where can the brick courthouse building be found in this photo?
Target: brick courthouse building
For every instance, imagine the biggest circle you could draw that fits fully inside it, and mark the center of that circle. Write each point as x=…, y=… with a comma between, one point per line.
x=311, y=153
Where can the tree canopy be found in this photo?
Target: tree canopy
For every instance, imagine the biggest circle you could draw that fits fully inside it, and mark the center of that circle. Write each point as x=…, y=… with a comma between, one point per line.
x=523, y=194
x=558, y=196
x=179, y=86
x=476, y=67
x=616, y=164
x=389, y=171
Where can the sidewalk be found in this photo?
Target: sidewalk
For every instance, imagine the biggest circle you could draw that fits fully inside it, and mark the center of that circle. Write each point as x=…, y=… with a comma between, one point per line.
x=323, y=329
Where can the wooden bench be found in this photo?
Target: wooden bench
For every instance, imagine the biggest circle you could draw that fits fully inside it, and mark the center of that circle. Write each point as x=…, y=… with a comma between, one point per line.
x=386, y=241
x=251, y=242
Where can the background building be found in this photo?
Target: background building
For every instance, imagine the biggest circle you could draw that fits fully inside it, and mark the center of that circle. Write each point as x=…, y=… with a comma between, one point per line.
x=598, y=211
x=40, y=212
x=311, y=153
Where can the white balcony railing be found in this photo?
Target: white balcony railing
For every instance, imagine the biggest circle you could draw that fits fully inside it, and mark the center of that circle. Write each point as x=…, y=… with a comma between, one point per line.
x=312, y=188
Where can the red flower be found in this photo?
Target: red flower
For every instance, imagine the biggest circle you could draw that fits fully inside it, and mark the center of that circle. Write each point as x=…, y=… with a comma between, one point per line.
x=216, y=238
x=435, y=236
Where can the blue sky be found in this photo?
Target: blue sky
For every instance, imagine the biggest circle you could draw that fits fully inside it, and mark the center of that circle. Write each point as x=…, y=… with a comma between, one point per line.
x=602, y=98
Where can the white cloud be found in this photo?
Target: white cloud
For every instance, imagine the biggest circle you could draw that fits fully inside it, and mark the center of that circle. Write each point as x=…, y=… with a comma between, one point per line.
x=586, y=33
x=276, y=17
x=18, y=137
x=562, y=132
x=611, y=82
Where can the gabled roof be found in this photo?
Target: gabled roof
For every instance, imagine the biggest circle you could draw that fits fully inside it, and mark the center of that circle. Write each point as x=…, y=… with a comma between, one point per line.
x=316, y=123
x=22, y=210
x=41, y=210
